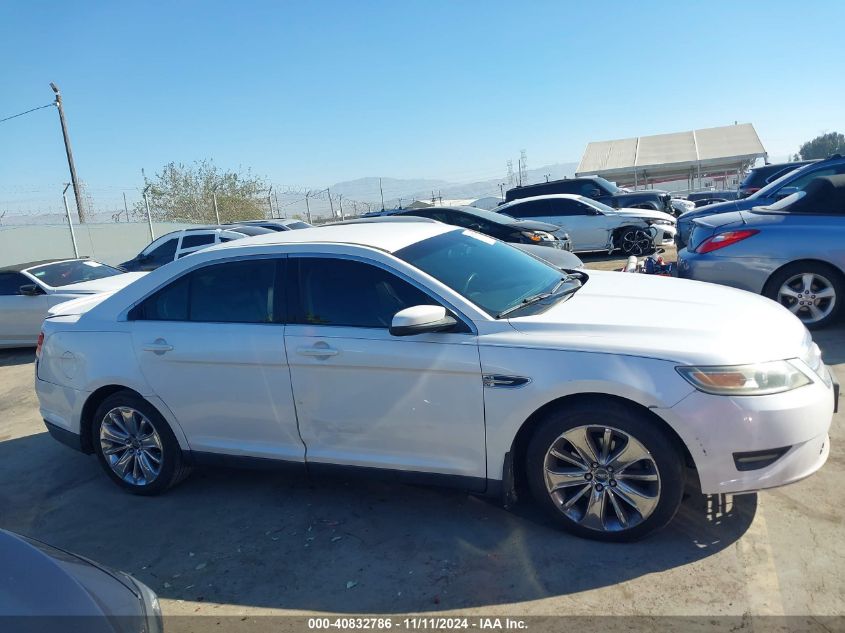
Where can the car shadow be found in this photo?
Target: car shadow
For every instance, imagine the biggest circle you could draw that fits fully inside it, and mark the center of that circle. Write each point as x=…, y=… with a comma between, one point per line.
x=283, y=540
x=16, y=356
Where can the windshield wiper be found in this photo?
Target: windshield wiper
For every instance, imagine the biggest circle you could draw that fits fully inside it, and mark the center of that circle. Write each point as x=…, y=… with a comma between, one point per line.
x=553, y=293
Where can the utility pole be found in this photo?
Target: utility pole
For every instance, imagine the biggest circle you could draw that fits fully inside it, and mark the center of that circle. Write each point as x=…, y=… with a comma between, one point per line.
x=340, y=203
x=502, y=190
x=80, y=210
x=269, y=201
x=382, y=193
x=307, y=206
x=278, y=208
x=125, y=206
x=331, y=206
x=69, y=222
x=149, y=217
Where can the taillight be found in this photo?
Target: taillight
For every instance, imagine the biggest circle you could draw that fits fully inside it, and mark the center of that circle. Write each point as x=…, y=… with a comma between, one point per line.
x=715, y=242
x=39, y=344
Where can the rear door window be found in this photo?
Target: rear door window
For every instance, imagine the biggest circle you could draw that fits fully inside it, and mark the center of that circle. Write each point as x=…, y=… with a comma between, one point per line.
x=243, y=291
x=530, y=209
x=10, y=283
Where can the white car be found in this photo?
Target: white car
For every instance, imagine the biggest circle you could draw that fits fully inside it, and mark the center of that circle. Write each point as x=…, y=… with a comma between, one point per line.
x=28, y=291
x=594, y=226
x=428, y=352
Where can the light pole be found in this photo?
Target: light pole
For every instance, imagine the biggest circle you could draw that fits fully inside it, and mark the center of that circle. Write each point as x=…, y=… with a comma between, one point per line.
x=270, y=202
x=76, y=192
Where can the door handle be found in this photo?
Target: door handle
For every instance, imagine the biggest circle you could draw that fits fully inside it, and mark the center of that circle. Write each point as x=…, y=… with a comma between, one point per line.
x=159, y=346
x=317, y=352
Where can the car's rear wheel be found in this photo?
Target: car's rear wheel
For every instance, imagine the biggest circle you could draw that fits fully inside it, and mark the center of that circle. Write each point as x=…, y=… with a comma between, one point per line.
x=136, y=446
x=605, y=471
x=811, y=291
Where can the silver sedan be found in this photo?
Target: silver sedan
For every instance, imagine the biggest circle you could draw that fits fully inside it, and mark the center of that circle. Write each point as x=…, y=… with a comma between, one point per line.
x=791, y=252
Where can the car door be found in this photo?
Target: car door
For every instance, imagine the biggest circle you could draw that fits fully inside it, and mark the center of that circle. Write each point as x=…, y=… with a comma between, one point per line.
x=20, y=315
x=367, y=398
x=211, y=346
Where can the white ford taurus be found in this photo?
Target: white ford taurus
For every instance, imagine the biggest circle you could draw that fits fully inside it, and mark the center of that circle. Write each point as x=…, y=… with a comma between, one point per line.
x=432, y=353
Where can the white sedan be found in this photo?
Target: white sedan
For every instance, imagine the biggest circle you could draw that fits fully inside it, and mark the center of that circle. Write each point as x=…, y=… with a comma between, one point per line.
x=593, y=226
x=28, y=291
x=427, y=352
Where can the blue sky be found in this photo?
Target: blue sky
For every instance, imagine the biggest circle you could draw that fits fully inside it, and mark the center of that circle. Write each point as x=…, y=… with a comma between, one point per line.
x=311, y=93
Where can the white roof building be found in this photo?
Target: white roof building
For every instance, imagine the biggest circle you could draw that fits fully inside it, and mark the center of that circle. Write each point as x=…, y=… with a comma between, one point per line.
x=676, y=156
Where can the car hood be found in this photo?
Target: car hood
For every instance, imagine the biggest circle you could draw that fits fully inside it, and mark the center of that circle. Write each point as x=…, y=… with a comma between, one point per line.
x=106, y=284
x=679, y=320
x=75, y=586
x=719, y=207
x=646, y=214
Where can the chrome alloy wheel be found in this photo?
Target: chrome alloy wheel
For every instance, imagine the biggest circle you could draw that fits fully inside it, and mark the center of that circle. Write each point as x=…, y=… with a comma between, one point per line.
x=602, y=478
x=809, y=296
x=637, y=242
x=131, y=446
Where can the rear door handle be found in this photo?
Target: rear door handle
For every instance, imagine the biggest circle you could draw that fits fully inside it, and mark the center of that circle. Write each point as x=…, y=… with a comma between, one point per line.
x=318, y=352
x=159, y=346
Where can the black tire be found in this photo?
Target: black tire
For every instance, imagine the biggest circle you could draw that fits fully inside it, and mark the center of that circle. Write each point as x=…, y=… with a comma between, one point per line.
x=832, y=277
x=665, y=459
x=172, y=469
x=635, y=241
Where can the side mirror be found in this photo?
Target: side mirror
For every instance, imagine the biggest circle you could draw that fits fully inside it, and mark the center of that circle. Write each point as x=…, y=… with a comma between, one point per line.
x=30, y=290
x=420, y=319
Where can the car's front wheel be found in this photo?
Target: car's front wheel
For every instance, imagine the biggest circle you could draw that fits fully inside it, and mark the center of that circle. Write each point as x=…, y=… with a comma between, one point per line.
x=636, y=241
x=605, y=471
x=136, y=446
x=813, y=292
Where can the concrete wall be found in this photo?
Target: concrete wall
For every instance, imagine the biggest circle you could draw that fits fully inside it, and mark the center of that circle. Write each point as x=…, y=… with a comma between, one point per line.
x=109, y=243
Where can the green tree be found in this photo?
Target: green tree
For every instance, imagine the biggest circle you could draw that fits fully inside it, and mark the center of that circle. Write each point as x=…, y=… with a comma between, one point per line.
x=823, y=146
x=185, y=193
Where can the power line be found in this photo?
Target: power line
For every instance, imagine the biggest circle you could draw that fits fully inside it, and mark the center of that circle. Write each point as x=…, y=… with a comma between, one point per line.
x=14, y=116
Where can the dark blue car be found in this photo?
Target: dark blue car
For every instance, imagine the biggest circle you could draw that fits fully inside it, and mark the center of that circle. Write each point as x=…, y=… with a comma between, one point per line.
x=796, y=180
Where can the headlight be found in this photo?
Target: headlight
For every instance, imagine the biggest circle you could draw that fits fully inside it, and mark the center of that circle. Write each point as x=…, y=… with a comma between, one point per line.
x=812, y=357
x=538, y=236
x=665, y=222
x=746, y=380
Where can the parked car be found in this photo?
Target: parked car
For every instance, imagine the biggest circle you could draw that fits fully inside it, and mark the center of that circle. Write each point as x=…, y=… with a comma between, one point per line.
x=598, y=189
x=172, y=246
x=593, y=226
x=792, y=251
x=274, y=225
x=43, y=588
x=703, y=198
x=681, y=205
x=502, y=227
x=28, y=291
x=425, y=352
x=558, y=257
x=795, y=180
x=759, y=177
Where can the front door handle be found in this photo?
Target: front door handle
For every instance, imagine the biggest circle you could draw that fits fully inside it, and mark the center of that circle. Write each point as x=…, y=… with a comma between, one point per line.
x=317, y=352
x=159, y=346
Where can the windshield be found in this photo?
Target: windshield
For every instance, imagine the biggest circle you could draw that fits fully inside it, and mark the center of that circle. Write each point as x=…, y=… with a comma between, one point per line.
x=491, y=274
x=608, y=185
x=776, y=184
x=596, y=205
x=298, y=225
x=492, y=216
x=71, y=272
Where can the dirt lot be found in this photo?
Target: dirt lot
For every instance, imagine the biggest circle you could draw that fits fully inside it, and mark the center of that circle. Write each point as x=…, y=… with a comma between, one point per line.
x=250, y=542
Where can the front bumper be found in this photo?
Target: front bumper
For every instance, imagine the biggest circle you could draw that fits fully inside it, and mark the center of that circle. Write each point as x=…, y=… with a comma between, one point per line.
x=716, y=429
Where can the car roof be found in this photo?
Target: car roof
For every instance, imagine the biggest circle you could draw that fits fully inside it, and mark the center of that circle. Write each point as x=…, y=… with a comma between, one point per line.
x=491, y=216
x=385, y=236
x=16, y=268
x=545, y=196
